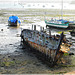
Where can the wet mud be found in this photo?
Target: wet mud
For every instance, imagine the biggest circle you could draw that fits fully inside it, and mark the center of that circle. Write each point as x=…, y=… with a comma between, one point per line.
x=18, y=59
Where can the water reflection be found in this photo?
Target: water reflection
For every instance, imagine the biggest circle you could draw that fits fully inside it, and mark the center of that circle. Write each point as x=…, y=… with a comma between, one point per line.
x=8, y=39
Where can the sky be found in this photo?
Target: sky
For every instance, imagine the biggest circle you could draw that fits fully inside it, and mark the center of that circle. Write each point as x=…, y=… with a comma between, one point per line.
x=37, y=1
x=41, y=3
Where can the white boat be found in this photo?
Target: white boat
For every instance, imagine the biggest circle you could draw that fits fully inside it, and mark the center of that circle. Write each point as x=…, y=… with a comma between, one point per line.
x=56, y=23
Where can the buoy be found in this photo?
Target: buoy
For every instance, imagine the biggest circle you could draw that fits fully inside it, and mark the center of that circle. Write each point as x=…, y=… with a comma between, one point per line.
x=1, y=29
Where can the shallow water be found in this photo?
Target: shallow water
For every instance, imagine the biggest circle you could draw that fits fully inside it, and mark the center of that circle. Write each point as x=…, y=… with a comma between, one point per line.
x=10, y=37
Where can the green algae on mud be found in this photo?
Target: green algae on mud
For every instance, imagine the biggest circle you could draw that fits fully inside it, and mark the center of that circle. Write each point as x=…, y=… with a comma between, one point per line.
x=27, y=21
x=24, y=64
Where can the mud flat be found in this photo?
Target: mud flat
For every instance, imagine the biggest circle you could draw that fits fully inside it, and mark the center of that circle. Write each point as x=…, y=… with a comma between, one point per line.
x=26, y=62
x=18, y=60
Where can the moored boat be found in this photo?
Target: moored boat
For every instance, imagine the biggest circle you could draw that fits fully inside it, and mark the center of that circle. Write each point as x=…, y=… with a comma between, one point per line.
x=56, y=23
x=61, y=23
x=14, y=21
x=71, y=23
x=53, y=47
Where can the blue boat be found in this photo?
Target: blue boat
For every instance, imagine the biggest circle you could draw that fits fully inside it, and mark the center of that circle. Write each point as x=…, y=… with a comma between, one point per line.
x=14, y=21
x=71, y=23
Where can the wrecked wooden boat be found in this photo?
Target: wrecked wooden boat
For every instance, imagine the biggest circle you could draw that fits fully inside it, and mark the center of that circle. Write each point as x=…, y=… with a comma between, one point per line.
x=52, y=47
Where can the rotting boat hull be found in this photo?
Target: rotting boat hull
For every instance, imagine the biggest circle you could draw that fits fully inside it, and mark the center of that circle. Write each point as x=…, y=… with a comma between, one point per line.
x=52, y=52
x=47, y=55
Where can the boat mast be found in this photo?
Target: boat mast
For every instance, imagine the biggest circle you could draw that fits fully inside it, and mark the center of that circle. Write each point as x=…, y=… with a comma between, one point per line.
x=44, y=16
x=62, y=9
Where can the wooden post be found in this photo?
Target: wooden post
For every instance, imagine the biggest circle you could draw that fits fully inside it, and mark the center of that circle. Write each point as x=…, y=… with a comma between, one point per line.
x=34, y=27
x=21, y=35
x=49, y=32
x=40, y=28
x=43, y=28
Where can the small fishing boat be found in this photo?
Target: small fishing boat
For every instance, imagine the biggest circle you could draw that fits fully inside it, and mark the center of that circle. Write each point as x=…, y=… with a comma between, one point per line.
x=14, y=21
x=50, y=46
x=56, y=23
x=60, y=23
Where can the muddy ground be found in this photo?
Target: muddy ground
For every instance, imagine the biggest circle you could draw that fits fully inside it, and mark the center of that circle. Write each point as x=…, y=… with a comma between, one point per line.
x=16, y=59
x=26, y=62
